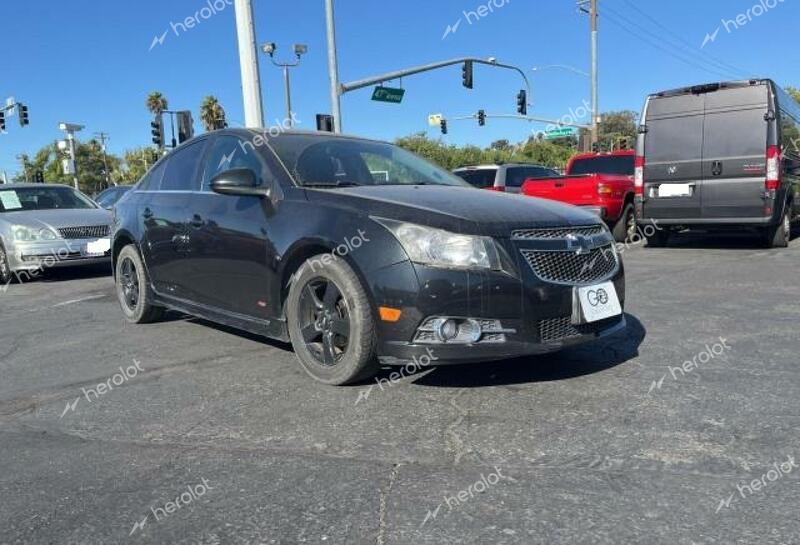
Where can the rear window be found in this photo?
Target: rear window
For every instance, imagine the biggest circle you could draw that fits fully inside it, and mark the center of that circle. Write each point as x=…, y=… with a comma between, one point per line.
x=481, y=178
x=622, y=165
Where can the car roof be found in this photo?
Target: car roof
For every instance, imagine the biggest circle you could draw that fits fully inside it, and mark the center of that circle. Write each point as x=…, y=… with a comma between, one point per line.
x=487, y=167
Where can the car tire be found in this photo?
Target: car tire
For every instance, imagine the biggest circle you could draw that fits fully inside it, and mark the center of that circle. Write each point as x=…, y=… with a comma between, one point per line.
x=625, y=229
x=133, y=288
x=331, y=323
x=780, y=235
x=5, y=268
x=659, y=239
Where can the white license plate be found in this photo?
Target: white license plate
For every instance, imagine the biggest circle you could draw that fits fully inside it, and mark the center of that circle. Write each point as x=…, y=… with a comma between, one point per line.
x=599, y=302
x=675, y=190
x=98, y=247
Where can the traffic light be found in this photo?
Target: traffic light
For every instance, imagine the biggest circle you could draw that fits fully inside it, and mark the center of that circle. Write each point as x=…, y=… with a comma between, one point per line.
x=443, y=125
x=466, y=74
x=185, y=126
x=157, y=130
x=481, y=118
x=39, y=177
x=23, y=115
x=324, y=122
x=2, y=120
x=522, y=102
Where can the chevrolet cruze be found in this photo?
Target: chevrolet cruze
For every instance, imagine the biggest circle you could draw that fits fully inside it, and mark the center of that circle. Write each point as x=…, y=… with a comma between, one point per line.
x=360, y=254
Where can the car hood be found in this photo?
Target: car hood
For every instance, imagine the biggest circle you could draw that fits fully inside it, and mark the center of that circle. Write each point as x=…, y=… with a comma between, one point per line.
x=57, y=219
x=456, y=209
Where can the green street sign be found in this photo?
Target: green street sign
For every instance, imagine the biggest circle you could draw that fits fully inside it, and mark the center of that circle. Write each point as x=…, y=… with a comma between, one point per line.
x=388, y=94
x=563, y=132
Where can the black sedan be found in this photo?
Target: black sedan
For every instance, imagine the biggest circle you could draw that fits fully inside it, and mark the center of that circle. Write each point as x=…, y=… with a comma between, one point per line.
x=361, y=254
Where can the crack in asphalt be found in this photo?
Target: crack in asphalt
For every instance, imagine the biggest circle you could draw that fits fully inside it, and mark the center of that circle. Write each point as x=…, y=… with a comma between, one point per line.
x=454, y=441
x=384, y=495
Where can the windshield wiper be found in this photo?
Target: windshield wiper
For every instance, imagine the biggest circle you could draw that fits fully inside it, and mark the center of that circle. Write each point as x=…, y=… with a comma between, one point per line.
x=337, y=183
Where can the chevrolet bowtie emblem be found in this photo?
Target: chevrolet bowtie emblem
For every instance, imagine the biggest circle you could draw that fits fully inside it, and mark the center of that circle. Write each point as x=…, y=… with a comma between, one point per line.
x=579, y=244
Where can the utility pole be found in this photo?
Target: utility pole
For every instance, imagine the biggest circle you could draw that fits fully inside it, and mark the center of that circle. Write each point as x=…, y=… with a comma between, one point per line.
x=71, y=164
x=333, y=68
x=103, y=137
x=248, y=61
x=24, y=163
x=595, y=52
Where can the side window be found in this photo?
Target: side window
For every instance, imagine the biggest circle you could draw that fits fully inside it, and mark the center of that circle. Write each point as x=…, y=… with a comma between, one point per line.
x=540, y=172
x=152, y=180
x=182, y=168
x=516, y=176
x=229, y=152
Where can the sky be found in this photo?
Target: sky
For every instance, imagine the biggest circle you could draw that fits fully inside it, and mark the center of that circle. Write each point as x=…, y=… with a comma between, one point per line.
x=93, y=62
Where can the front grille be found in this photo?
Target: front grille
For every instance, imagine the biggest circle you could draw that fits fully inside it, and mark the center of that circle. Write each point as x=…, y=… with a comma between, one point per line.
x=561, y=232
x=556, y=330
x=89, y=231
x=596, y=266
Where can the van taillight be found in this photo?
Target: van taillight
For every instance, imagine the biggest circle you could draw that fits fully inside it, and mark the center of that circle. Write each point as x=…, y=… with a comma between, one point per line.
x=638, y=176
x=773, y=168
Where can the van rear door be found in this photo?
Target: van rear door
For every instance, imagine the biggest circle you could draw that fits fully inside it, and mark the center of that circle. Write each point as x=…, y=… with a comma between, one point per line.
x=735, y=152
x=674, y=157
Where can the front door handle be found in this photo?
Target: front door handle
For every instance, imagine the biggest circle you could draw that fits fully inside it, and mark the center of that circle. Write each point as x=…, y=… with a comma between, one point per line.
x=196, y=221
x=147, y=214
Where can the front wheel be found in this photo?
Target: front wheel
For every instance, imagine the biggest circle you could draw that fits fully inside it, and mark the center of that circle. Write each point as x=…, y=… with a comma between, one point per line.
x=331, y=324
x=780, y=235
x=133, y=288
x=5, y=268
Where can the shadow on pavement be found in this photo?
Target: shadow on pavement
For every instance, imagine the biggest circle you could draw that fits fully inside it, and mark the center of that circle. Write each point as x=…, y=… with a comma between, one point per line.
x=740, y=240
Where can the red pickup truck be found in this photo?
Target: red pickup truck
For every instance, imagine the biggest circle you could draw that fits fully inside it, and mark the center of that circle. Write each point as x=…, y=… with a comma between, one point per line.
x=600, y=182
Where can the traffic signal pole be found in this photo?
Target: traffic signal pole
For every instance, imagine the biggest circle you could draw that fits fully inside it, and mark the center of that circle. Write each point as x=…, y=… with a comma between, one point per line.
x=251, y=79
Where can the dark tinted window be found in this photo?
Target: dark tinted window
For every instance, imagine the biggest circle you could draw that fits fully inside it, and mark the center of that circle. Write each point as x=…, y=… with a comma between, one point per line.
x=621, y=165
x=480, y=178
x=152, y=180
x=229, y=152
x=516, y=176
x=182, y=168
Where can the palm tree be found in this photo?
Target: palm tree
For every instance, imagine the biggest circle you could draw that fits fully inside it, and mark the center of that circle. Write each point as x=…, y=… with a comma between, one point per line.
x=212, y=114
x=156, y=103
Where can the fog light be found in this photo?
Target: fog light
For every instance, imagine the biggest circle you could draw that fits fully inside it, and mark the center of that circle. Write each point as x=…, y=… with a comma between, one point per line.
x=447, y=330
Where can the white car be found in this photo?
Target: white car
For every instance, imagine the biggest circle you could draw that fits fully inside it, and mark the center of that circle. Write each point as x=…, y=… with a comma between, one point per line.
x=45, y=226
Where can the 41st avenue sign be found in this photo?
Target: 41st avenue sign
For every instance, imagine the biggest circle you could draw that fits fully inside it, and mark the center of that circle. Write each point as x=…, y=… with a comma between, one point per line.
x=388, y=94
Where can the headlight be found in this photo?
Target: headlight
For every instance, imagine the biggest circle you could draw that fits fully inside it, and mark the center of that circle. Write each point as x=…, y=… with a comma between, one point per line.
x=438, y=248
x=27, y=234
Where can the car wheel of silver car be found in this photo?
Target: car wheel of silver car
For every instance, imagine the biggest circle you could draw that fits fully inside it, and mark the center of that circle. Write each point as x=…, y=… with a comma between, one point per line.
x=133, y=288
x=5, y=268
x=781, y=235
x=331, y=324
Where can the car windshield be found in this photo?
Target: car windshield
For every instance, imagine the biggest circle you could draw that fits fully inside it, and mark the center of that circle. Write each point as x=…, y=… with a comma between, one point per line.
x=482, y=178
x=316, y=161
x=622, y=165
x=42, y=198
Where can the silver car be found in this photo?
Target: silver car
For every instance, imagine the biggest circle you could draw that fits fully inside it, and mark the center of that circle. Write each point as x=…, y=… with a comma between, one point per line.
x=45, y=226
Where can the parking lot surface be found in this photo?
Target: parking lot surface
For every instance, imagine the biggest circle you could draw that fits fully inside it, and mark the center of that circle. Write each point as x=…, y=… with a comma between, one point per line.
x=681, y=430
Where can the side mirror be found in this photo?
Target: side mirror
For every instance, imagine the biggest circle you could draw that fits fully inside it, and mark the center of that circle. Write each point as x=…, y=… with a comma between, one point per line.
x=241, y=182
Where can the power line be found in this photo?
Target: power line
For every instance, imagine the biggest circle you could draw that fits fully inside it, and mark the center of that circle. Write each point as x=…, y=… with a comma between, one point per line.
x=685, y=43
x=683, y=58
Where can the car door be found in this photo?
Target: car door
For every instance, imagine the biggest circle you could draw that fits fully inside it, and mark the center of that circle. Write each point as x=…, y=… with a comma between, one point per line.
x=229, y=255
x=164, y=211
x=735, y=152
x=673, y=147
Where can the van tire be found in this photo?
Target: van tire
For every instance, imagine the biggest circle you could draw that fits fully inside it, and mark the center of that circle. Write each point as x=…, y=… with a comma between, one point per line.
x=625, y=228
x=659, y=239
x=780, y=235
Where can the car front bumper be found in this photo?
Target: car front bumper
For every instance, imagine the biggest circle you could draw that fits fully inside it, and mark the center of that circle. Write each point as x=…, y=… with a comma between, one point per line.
x=38, y=256
x=536, y=316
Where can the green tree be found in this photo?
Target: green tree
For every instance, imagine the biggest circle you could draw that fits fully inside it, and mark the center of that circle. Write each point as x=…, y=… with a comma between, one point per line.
x=156, y=103
x=616, y=126
x=89, y=160
x=136, y=163
x=794, y=92
x=212, y=114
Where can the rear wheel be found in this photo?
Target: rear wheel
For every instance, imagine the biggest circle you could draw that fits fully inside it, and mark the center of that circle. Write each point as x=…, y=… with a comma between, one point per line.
x=5, y=268
x=133, y=288
x=331, y=324
x=780, y=235
x=625, y=229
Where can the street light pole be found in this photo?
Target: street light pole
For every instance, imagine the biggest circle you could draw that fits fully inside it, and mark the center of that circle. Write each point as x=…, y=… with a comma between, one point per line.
x=251, y=80
x=333, y=68
x=288, y=90
x=299, y=50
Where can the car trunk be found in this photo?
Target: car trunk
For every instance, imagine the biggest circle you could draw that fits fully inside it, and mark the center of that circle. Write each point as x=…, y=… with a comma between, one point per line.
x=706, y=154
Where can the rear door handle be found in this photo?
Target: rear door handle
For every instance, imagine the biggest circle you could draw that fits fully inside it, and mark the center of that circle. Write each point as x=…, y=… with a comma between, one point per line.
x=716, y=168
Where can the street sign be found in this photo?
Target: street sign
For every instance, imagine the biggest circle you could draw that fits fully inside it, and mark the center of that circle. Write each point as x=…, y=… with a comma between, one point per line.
x=388, y=94
x=562, y=132
x=435, y=120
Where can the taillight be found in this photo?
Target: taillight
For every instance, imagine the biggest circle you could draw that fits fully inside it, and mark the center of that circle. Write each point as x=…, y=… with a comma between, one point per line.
x=638, y=176
x=603, y=189
x=773, y=168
